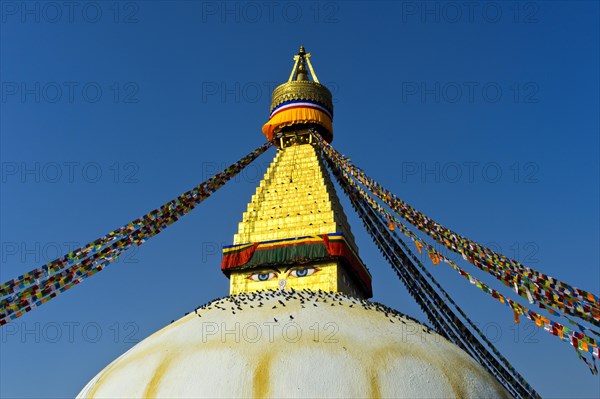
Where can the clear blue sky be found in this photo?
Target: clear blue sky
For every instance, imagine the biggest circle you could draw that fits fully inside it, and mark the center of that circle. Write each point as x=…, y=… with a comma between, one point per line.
x=484, y=117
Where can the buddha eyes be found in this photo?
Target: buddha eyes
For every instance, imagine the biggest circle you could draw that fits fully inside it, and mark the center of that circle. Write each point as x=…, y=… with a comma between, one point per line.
x=298, y=272
x=262, y=276
x=303, y=271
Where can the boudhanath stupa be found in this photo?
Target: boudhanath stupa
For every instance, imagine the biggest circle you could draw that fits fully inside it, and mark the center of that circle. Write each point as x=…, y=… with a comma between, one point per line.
x=297, y=322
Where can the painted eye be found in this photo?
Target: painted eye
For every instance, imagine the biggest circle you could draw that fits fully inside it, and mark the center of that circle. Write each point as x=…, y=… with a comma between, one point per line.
x=262, y=276
x=303, y=271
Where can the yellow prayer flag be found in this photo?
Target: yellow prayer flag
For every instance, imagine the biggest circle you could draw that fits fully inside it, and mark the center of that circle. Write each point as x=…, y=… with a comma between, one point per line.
x=434, y=258
x=419, y=246
x=539, y=322
x=516, y=315
x=591, y=297
x=583, y=346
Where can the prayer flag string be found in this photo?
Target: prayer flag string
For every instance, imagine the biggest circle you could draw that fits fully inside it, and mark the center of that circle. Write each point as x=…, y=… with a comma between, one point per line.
x=30, y=290
x=531, y=284
x=578, y=339
x=441, y=316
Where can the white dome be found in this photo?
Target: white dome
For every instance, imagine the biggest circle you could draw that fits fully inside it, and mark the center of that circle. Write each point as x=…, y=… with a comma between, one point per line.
x=294, y=344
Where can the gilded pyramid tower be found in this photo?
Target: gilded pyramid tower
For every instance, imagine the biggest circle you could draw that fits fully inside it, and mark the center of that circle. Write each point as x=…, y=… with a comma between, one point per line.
x=294, y=233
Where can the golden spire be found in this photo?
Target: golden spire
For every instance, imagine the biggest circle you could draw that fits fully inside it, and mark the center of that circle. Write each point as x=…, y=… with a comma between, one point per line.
x=294, y=234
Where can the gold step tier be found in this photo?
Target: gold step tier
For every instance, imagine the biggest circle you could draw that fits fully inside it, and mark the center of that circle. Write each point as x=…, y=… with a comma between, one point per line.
x=296, y=198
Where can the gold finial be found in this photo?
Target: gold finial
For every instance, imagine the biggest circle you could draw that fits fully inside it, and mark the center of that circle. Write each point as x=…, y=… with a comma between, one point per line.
x=302, y=72
x=302, y=59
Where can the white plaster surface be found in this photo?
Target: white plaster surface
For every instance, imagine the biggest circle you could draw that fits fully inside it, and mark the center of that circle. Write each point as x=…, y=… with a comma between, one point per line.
x=302, y=344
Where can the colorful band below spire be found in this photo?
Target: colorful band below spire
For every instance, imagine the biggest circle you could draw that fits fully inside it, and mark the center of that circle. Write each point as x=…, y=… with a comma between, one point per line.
x=297, y=111
x=300, y=104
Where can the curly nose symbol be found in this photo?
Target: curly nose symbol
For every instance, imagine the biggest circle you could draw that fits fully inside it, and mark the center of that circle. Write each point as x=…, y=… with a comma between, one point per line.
x=282, y=284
